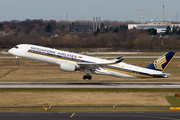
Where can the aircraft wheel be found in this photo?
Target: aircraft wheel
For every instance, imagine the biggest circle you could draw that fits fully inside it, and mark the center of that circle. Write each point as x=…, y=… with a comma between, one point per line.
x=84, y=77
x=89, y=77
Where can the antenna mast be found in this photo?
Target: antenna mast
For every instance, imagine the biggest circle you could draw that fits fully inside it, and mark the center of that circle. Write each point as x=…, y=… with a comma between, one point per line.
x=141, y=15
x=53, y=16
x=163, y=14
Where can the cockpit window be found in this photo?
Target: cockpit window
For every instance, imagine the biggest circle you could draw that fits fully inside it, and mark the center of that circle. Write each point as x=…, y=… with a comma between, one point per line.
x=16, y=47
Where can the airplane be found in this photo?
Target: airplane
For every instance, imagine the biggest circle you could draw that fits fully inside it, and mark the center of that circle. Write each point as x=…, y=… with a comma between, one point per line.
x=71, y=62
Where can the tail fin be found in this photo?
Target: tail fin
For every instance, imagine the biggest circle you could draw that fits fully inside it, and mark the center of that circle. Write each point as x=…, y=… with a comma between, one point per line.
x=162, y=62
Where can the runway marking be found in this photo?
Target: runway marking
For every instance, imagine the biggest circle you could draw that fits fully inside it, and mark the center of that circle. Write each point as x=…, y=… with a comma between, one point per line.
x=72, y=115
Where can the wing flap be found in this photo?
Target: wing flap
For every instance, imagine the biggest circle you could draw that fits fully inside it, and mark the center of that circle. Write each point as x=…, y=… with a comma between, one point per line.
x=99, y=65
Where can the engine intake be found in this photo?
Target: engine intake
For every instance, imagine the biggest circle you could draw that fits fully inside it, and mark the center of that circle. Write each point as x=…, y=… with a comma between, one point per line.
x=67, y=66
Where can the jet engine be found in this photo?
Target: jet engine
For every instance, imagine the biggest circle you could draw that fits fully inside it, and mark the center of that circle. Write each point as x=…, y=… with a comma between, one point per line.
x=67, y=66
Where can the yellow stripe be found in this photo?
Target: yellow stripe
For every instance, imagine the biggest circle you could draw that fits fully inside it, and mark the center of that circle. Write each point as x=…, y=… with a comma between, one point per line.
x=129, y=73
x=169, y=62
x=72, y=115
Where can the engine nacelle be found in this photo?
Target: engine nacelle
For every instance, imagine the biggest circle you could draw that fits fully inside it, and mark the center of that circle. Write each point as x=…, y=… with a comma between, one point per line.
x=67, y=66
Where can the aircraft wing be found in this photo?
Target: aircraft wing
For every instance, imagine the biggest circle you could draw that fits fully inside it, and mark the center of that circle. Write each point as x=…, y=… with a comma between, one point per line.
x=94, y=66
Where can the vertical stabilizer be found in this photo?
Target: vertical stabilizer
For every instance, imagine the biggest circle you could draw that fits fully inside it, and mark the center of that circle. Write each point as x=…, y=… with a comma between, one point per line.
x=162, y=62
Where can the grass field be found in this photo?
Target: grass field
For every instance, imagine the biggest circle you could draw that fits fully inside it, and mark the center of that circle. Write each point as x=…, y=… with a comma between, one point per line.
x=33, y=71
x=144, y=98
x=88, y=97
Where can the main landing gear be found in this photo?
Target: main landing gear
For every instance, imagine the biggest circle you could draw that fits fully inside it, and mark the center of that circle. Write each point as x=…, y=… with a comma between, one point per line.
x=87, y=76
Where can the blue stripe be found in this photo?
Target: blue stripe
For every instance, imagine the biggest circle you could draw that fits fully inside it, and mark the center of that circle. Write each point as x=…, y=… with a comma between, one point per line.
x=128, y=70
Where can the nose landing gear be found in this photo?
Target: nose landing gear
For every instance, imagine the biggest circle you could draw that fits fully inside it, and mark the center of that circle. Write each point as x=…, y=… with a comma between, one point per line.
x=87, y=76
x=17, y=63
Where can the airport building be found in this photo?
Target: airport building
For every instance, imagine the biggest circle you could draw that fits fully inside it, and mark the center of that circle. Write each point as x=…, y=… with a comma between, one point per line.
x=159, y=26
x=80, y=28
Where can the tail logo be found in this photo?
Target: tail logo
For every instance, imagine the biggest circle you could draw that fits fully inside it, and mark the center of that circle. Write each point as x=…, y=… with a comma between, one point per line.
x=158, y=63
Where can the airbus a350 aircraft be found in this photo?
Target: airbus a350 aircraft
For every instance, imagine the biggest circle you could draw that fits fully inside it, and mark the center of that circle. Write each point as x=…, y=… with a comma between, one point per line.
x=71, y=62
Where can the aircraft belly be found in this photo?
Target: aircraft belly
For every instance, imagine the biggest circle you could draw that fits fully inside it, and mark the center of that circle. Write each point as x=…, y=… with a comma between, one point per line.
x=102, y=72
x=121, y=75
x=112, y=73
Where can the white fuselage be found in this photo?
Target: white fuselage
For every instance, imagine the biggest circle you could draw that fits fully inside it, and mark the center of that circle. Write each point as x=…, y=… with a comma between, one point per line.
x=55, y=56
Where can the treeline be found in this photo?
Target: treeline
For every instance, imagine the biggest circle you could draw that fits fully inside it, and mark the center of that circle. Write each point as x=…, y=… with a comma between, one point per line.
x=43, y=26
x=112, y=35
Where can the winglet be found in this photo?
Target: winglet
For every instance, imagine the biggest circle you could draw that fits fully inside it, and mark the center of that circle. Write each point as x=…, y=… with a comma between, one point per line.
x=118, y=59
x=162, y=62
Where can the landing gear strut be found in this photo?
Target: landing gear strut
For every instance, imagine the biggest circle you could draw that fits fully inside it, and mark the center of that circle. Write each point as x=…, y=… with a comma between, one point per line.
x=87, y=76
x=17, y=61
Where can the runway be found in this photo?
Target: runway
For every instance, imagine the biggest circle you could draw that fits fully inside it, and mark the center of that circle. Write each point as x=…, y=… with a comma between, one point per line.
x=89, y=115
x=89, y=85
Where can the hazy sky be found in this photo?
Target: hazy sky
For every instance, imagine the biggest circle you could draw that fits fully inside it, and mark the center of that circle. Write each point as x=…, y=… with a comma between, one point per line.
x=120, y=10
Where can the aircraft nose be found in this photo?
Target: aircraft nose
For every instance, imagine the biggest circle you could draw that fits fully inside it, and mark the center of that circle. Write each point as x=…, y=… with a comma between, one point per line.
x=10, y=51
